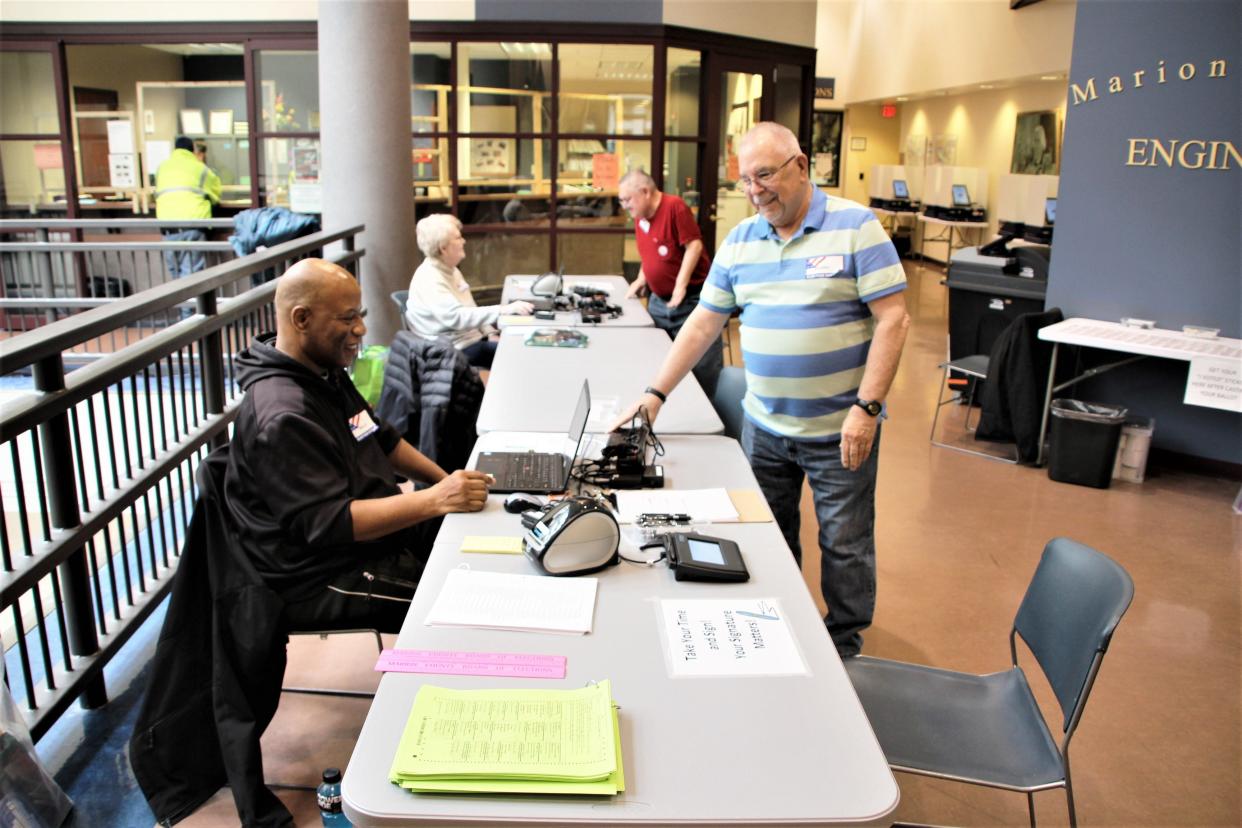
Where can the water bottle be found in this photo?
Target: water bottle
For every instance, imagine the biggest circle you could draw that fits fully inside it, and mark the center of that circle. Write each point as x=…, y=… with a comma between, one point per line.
x=329, y=797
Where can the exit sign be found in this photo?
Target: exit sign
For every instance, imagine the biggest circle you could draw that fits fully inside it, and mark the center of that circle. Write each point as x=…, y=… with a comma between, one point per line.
x=888, y=111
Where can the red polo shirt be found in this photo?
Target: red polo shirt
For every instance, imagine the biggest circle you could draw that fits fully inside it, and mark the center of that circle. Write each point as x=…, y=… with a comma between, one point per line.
x=662, y=241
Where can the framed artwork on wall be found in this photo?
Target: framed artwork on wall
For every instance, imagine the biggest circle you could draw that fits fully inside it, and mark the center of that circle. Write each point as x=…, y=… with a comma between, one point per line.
x=826, y=147
x=1035, y=144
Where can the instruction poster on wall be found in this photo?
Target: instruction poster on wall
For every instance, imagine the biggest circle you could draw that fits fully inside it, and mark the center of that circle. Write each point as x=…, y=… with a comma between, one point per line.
x=726, y=637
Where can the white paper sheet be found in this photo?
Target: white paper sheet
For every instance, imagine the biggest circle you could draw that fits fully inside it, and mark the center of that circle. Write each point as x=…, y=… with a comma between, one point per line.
x=703, y=505
x=1215, y=383
x=729, y=637
x=500, y=601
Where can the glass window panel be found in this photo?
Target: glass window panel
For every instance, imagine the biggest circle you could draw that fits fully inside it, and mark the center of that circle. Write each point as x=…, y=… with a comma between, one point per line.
x=490, y=257
x=289, y=173
x=681, y=172
x=788, y=93
x=289, y=87
x=429, y=90
x=596, y=254
x=426, y=205
x=31, y=177
x=606, y=88
x=429, y=162
x=587, y=179
x=503, y=180
x=504, y=87
x=28, y=94
x=681, y=102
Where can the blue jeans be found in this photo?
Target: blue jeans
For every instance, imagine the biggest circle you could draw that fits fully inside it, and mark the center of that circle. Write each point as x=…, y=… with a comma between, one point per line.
x=670, y=320
x=845, y=509
x=481, y=353
x=184, y=263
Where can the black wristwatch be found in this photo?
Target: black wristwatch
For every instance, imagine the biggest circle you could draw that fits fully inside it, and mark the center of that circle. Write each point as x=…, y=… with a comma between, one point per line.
x=872, y=407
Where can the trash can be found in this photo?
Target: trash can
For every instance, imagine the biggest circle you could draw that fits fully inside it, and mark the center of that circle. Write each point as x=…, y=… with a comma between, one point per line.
x=1133, y=448
x=1084, y=442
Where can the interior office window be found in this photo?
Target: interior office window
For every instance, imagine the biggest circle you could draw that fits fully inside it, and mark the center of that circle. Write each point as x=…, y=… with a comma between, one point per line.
x=594, y=254
x=681, y=172
x=589, y=170
x=605, y=88
x=289, y=155
x=504, y=87
x=32, y=175
x=490, y=257
x=683, y=87
x=503, y=180
x=430, y=87
x=788, y=95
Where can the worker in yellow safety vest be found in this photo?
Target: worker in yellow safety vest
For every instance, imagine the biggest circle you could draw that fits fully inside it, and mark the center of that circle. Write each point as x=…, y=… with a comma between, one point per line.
x=185, y=188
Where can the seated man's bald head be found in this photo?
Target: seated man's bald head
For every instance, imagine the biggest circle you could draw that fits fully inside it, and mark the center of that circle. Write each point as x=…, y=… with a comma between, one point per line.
x=304, y=284
x=319, y=315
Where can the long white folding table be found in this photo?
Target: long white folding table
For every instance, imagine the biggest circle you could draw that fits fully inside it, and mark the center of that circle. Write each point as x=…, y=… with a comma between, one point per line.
x=633, y=312
x=534, y=388
x=1138, y=342
x=771, y=750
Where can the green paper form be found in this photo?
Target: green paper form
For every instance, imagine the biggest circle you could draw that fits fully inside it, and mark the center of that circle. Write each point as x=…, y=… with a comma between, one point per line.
x=511, y=741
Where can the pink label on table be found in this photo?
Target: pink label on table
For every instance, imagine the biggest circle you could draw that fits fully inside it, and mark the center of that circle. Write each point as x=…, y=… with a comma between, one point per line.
x=464, y=663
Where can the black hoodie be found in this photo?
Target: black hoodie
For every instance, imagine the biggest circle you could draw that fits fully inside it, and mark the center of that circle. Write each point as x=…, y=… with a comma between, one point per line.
x=295, y=467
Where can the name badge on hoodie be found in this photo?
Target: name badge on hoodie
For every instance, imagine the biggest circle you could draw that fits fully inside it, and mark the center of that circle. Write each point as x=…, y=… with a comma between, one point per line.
x=824, y=267
x=362, y=426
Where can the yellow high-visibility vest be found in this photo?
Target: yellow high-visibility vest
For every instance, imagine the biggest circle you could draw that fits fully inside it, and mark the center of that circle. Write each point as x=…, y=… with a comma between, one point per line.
x=185, y=188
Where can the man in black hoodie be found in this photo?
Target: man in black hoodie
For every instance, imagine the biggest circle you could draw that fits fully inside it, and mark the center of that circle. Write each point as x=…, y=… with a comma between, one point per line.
x=311, y=483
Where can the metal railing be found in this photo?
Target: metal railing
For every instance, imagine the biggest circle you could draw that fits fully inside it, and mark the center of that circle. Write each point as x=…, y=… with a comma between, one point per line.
x=51, y=268
x=97, y=468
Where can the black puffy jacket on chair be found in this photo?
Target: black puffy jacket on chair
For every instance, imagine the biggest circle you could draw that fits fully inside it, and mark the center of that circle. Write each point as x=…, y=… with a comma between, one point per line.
x=432, y=396
x=1013, y=397
x=215, y=679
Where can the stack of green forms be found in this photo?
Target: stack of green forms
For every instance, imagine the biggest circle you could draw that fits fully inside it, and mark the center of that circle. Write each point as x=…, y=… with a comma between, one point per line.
x=511, y=741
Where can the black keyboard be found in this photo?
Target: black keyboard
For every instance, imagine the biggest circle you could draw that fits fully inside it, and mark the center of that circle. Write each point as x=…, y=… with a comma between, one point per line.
x=531, y=471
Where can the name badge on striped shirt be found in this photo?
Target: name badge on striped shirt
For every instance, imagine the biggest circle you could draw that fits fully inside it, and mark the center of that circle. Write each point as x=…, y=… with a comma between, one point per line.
x=823, y=267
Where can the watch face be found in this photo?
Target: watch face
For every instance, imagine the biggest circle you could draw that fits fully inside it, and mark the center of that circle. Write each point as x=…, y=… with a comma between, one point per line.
x=870, y=406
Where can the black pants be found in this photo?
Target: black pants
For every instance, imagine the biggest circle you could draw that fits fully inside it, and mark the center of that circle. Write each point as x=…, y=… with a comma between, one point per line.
x=373, y=595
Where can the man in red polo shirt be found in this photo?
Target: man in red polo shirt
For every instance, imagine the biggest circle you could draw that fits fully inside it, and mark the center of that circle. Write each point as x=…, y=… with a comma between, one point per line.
x=674, y=264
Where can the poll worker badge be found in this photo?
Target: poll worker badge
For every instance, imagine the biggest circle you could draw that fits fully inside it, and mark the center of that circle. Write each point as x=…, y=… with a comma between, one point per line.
x=362, y=426
x=824, y=267
x=663, y=251
x=645, y=225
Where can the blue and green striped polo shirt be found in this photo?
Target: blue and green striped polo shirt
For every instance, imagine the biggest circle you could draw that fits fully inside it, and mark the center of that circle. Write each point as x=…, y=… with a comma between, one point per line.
x=805, y=324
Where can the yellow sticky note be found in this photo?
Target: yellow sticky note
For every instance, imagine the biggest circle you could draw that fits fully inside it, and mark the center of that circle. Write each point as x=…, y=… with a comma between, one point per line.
x=494, y=544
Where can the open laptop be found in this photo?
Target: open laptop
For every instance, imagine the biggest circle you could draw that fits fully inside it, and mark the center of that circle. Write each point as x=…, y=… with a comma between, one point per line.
x=900, y=190
x=961, y=196
x=545, y=289
x=538, y=472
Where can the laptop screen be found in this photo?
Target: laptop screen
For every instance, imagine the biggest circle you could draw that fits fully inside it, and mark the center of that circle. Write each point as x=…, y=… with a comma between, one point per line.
x=961, y=196
x=577, y=425
x=1050, y=211
x=900, y=190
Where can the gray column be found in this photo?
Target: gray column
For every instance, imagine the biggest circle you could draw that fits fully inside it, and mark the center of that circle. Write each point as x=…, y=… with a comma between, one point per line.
x=364, y=101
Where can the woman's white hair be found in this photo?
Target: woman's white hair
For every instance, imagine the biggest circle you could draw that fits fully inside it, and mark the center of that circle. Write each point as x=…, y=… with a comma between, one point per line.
x=433, y=233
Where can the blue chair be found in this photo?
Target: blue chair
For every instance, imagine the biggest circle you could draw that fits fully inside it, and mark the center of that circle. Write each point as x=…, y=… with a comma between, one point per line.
x=399, y=298
x=727, y=400
x=988, y=730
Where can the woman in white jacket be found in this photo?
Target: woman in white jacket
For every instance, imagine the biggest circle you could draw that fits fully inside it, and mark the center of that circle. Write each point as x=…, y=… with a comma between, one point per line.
x=440, y=302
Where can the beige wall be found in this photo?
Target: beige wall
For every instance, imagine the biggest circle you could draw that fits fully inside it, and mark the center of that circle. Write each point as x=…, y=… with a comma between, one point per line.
x=883, y=142
x=984, y=125
x=119, y=68
x=905, y=47
x=785, y=21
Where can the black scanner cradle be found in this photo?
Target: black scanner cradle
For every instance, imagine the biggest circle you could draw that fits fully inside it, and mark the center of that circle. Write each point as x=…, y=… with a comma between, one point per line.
x=971, y=270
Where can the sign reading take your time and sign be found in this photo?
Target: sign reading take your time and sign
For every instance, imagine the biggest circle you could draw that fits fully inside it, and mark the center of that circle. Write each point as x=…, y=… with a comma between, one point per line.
x=1191, y=154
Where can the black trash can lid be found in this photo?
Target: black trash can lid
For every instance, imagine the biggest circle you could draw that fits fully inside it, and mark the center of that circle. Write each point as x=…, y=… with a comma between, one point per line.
x=1089, y=412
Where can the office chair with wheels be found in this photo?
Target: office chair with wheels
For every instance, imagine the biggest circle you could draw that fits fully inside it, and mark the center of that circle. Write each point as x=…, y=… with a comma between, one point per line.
x=988, y=730
x=399, y=298
x=727, y=400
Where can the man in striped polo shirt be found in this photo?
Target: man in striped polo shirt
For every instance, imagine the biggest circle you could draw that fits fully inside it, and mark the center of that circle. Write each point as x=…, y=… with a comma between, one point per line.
x=823, y=323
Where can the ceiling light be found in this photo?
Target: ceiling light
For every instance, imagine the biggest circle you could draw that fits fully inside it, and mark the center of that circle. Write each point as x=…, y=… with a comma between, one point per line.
x=1049, y=77
x=902, y=99
x=986, y=86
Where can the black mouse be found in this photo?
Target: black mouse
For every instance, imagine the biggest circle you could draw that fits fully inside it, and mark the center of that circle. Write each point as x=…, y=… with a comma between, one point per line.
x=520, y=502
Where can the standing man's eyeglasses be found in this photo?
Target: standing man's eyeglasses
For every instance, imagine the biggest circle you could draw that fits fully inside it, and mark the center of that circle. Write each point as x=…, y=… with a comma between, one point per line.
x=763, y=177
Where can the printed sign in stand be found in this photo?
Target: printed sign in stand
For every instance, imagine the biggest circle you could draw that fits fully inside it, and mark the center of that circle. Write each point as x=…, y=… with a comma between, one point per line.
x=724, y=637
